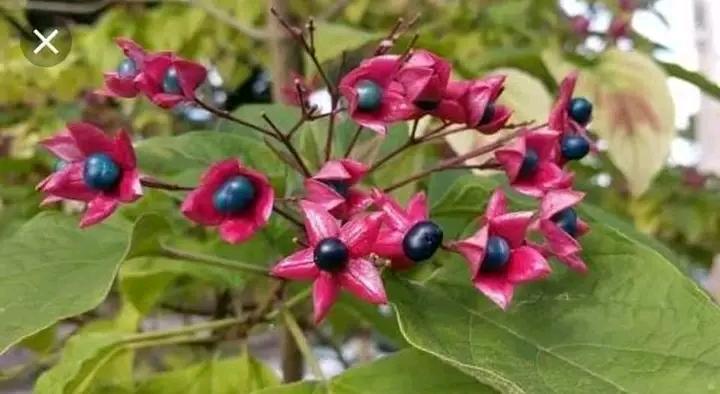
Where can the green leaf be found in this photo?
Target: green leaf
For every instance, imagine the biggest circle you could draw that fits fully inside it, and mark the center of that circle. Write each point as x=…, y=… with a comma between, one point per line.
x=184, y=158
x=707, y=86
x=237, y=375
x=82, y=357
x=634, y=323
x=51, y=269
x=408, y=371
x=634, y=111
x=332, y=39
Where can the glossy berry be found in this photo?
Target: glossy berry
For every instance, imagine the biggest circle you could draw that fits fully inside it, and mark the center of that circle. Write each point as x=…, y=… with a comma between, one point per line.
x=331, y=254
x=488, y=114
x=171, y=83
x=574, y=147
x=101, y=172
x=234, y=195
x=127, y=69
x=580, y=110
x=341, y=187
x=59, y=165
x=369, y=95
x=497, y=254
x=529, y=163
x=567, y=220
x=422, y=240
x=426, y=105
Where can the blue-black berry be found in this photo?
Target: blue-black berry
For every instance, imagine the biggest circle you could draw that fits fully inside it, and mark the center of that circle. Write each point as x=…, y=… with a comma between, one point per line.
x=171, y=82
x=422, y=240
x=331, y=254
x=234, y=195
x=574, y=147
x=530, y=163
x=127, y=69
x=101, y=172
x=580, y=110
x=567, y=220
x=497, y=254
x=488, y=114
x=369, y=95
x=341, y=187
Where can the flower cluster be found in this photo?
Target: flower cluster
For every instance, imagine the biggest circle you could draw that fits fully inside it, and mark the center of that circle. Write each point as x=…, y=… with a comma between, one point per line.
x=352, y=230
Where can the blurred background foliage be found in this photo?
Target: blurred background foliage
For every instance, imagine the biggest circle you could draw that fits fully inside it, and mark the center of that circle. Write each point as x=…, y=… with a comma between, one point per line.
x=681, y=208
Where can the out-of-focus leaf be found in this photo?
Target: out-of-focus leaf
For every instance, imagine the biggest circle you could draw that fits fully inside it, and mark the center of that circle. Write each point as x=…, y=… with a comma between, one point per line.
x=703, y=83
x=332, y=39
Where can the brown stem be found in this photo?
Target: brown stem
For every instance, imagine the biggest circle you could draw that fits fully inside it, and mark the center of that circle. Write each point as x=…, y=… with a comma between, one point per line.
x=284, y=54
x=227, y=115
x=330, y=130
x=455, y=161
x=354, y=141
x=289, y=145
x=443, y=133
x=155, y=184
x=288, y=216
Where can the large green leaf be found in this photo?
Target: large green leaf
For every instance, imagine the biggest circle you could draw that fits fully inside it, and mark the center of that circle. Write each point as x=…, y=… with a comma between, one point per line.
x=332, y=39
x=408, y=371
x=634, y=323
x=50, y=269
x=633, y=112
x=237, y=375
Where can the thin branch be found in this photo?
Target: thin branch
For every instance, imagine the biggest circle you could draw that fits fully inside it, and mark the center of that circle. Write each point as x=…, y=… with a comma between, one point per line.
x=227, y=115
x=354, y=141
x=289, y=145
x=288, y=217
x=213, y=261
x=156, y=184
x=302, y=343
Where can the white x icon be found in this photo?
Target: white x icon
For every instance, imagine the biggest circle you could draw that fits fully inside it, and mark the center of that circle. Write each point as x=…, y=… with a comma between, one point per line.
x=45, y=42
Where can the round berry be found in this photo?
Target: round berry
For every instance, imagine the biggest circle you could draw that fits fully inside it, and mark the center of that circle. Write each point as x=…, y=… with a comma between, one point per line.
x=427, y=105
x=171, y=82
x=497, y=254
x=567, y=220
x=341, y=187
x=127, y=69
x=234, y=195
x=331, y=255
x=422, y=240
x=59, y=165
x=574, y=147
x=488, y=114
x=580, y=110
x=369, y=95
x=529, y=163
x=101, y=172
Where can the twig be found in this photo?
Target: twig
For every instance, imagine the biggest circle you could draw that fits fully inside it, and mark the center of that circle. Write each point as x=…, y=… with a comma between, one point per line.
x=227, y=115
x=395, y=33
x=213, y=261
x=289, y=145
x=156, y=184
x=354, y=141
x=288, y=217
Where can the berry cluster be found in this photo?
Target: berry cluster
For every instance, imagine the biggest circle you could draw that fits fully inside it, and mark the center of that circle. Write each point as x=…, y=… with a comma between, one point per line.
x=352, y=232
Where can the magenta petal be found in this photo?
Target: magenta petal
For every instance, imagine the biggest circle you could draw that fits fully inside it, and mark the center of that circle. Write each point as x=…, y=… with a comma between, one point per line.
x=198, y=207
x=167, y=101
x=395, y=216
x=64, y=147
x=119, y=87
x=559, y=242
x=511, y=158
x=90, y=139
x=156, y=65
x=559, y=119
x=582, y=228
x=322, y=194
x=98, y=209
x=356, y=202
x=527, y=264
x=497, y=205
x=473, y=249
x=333, y=170
x=68, y=183
x=356, y=169
x=238, y=229
x=297, y=266
x=319, y=224
x=417, y=208
x=389, y=246
x=511, y=226
x=130, y=188
x=502, y=115
x=360, y=233
x=451, y=110
x=50, y=200
x=498, y=289
x=573, y=262
x=558, y=200
x=190, y=75
x=124, y=153
x=131, y=49
x=325, y=292
x=362, y=279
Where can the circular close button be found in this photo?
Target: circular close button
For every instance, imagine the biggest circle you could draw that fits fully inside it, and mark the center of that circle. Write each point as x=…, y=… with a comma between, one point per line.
x=49, y=46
